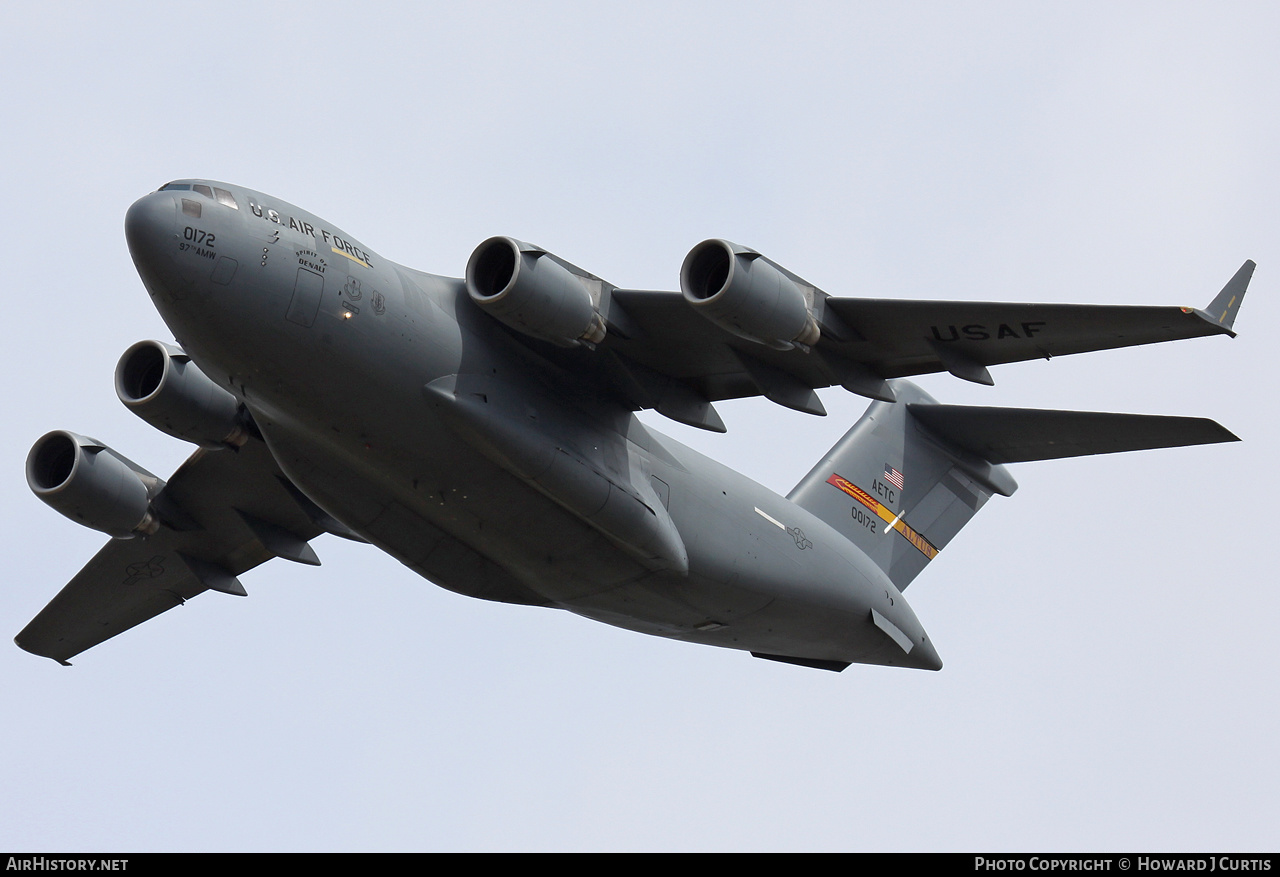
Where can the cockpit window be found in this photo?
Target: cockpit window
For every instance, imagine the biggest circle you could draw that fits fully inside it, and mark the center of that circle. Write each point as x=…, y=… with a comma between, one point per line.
x=222, y=196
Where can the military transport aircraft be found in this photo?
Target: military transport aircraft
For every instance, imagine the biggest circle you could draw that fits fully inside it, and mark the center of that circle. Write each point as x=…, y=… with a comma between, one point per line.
x=481, y=431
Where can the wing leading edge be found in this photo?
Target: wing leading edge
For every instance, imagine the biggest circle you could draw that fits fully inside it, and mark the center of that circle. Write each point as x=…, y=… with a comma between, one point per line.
x=228, y=511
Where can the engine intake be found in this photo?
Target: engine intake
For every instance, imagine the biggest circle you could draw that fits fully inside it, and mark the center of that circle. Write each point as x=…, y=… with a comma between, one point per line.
x=93, y=485
x=159, y=383
x=536, y=293
x=750, y=296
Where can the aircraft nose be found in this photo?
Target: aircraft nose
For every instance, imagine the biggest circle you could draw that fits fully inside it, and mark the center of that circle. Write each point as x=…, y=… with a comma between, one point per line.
x=149, y=230
x=149, y=222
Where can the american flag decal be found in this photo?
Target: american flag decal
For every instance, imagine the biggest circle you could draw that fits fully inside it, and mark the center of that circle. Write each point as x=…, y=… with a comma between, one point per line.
x=893, y=476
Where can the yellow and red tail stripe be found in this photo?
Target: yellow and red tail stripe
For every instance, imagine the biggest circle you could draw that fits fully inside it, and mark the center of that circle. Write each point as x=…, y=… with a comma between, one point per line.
x=925, y=547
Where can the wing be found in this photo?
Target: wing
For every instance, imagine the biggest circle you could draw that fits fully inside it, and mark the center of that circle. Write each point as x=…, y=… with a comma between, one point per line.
x=227, y=512
x=666, y=356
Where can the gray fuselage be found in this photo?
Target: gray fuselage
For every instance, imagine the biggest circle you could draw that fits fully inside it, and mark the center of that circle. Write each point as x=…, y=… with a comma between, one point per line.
x=447, y=440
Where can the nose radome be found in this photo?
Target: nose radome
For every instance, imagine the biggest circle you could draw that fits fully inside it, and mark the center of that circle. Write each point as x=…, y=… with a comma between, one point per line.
x=148, y=225
x=149, y=228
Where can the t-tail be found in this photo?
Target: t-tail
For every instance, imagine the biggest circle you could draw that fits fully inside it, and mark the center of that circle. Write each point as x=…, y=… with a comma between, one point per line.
x=910, y=474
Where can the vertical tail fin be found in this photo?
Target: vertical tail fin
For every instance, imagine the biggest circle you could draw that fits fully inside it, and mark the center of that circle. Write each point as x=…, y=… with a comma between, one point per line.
x=896, y=490
x=910, y=474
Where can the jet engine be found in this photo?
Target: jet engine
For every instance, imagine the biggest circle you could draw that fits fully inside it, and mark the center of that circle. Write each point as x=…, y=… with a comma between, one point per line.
x=159, y=383
x=750, y=296
x=536, y=293
x=93, y=485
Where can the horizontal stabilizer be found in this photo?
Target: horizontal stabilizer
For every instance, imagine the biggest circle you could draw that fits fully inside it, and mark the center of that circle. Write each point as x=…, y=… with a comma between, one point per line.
x=910, y=474
x=1018, y=435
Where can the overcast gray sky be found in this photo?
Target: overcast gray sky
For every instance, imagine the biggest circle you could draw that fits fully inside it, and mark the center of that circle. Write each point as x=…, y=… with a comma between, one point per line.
x=1109, y=631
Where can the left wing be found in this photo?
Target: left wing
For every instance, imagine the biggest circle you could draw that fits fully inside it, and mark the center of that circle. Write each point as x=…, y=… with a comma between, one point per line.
x=742, y=325
x=863, y=341
x=225, y=512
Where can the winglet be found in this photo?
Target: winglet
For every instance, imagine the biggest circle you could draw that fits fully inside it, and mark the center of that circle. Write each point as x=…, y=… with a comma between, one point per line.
x=1223, y=309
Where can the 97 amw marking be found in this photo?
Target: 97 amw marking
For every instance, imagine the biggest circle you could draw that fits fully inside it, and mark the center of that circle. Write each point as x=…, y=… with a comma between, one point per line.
x=194, y=238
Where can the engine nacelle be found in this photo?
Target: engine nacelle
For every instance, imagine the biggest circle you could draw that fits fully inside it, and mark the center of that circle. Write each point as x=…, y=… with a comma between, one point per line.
x=744, y=293
x=159, y=383
x=93, y=485
x=535, y=292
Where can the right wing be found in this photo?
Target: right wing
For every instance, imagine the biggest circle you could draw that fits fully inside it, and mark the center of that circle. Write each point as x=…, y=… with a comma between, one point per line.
x=227, y=512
